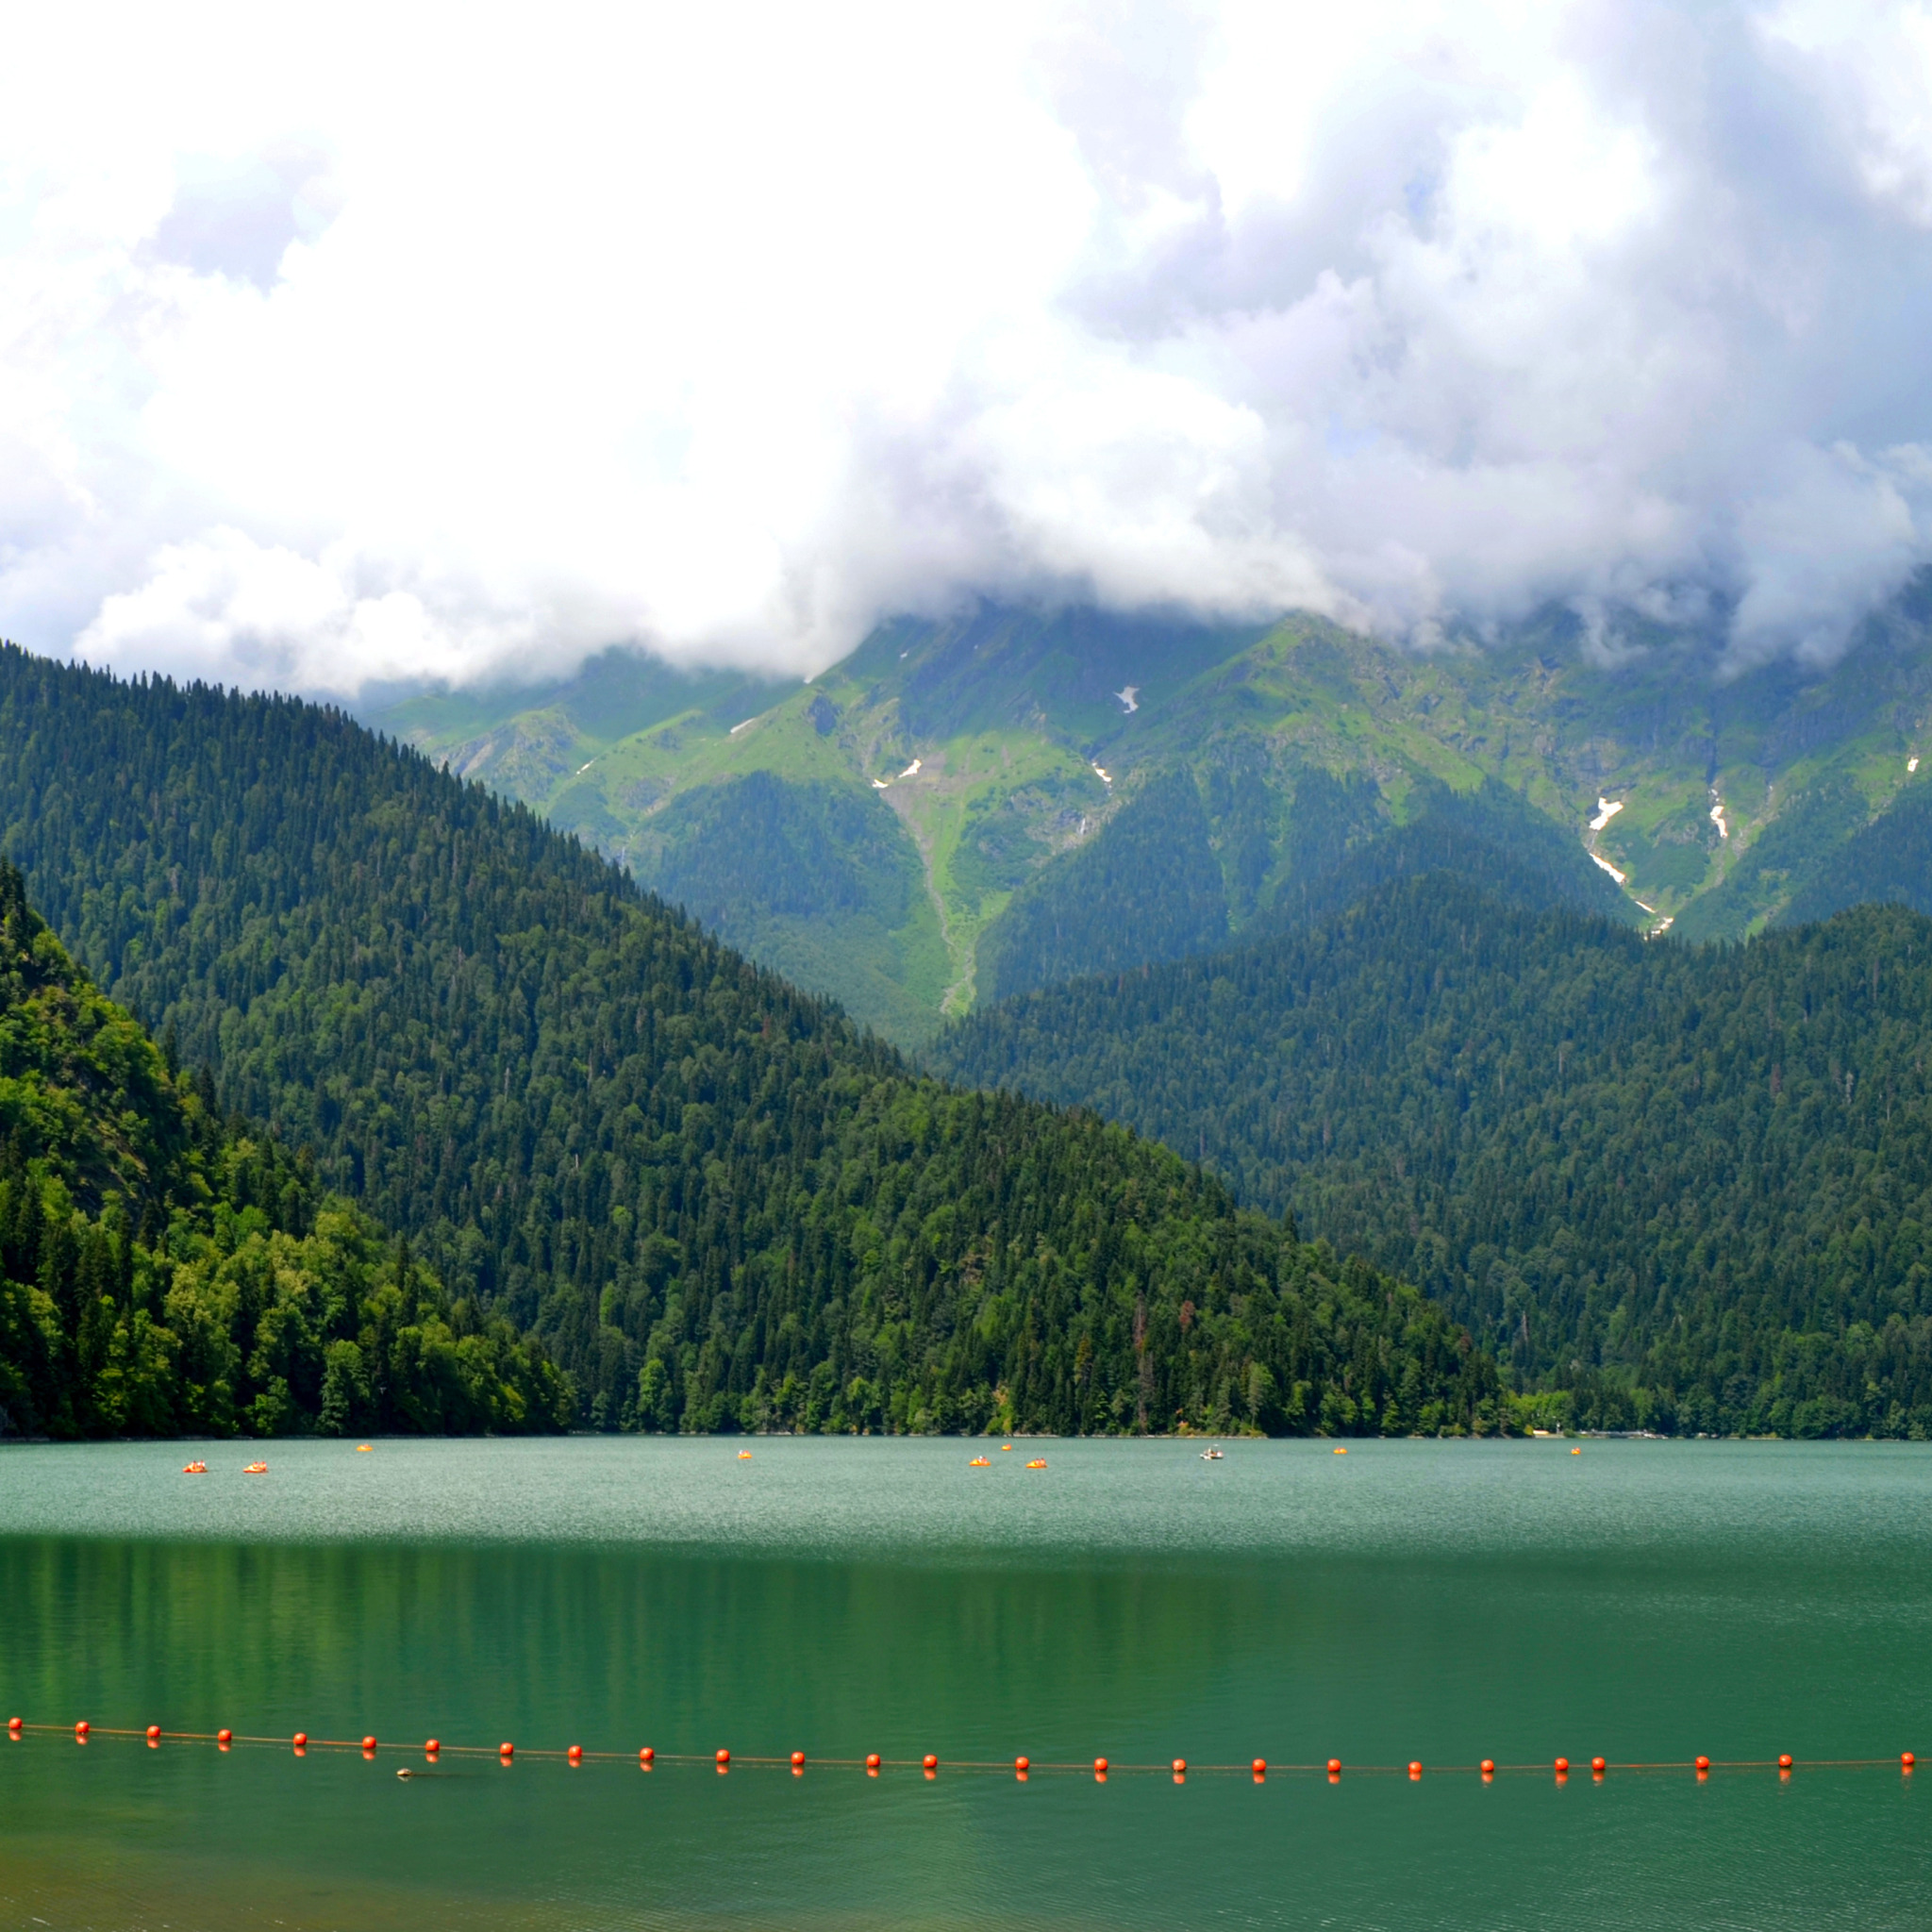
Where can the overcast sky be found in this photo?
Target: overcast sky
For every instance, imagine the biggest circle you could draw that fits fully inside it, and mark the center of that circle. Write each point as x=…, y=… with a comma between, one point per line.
x=389, y=342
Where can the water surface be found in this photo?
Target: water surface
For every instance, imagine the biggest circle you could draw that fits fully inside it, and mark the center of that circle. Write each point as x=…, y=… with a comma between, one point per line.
x=1443, y=1602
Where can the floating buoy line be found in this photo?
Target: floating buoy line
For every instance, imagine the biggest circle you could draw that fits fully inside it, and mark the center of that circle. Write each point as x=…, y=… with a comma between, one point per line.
x=1260, y=1769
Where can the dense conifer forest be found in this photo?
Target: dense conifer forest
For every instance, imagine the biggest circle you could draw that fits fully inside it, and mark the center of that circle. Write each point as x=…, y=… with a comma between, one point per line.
x=164, y=1272
x=717, y=1204
x=1689, y=1187
x=1155, y=885
x=1148, y=888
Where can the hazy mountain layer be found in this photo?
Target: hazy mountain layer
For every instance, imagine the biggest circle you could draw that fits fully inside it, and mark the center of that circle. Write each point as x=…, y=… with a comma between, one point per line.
x=1020, y=771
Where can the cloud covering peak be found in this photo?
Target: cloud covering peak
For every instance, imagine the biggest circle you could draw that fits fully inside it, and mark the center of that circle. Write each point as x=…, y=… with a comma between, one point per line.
x=367, y=344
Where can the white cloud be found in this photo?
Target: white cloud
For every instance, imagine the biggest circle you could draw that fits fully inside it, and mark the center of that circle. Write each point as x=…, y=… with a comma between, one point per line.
x=363, y=343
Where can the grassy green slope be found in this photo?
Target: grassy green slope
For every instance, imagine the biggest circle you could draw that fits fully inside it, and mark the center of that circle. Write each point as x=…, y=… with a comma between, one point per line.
x=998, y=748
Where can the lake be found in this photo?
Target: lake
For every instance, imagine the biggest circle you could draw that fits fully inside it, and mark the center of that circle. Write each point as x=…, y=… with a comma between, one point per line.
x=1441, y=1602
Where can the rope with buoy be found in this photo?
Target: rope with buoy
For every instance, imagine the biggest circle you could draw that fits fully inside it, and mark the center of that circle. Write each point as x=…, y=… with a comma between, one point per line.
x=873, y=1764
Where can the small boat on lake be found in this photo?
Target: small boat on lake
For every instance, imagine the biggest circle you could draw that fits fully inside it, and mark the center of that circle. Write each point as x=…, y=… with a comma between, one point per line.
x=980, y=1463
x=1213, y=1455
x=744, y=1455
x=1038, y=1462
x=255, y=1469
x=194, y=1469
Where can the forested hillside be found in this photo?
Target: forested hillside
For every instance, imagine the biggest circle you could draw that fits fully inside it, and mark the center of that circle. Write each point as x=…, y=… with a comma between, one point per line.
x=1150, y=888
x=165, y=1273
x=718, y=1204
x=819, y=884
x=1694, y=1186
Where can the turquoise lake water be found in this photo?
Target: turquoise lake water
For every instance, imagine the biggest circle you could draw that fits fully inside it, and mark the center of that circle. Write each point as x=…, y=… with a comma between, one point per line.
x=1645, y=1601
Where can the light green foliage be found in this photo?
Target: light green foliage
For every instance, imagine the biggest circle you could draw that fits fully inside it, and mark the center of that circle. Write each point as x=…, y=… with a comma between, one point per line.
x=163, y=1274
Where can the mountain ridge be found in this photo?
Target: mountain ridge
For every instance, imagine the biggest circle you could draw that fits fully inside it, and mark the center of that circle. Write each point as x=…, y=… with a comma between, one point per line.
x=983, y=757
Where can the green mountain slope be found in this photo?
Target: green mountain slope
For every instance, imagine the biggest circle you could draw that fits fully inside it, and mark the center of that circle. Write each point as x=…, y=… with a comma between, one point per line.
x=814, y=880
x=162, y=1273
x=1024, y=768
x=1148, y=888
x=717, y=1203
x=1694, y=1186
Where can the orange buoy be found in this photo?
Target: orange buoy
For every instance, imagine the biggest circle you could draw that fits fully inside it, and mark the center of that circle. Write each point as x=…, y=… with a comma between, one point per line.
x=1415, y=1768
x=1100, y=1767
x=1488, y=1767
x=798, y=1760
x=80, y=1730
x=1597, y=1767
x=1261, y=1767
x=431, y=1746
x=224, y=1738
x=300, y=1741
x=1905, y=1759
x=14, y=1726
x=872, y=1764
x=575, y=1754
x=1021, y=1766
x=1180, y=1767
x=646, y=1757
x=1562, y=1765
x=154, y=1734
x=1784, y=1760
x=1334, y=1767
x=369, y=1744
x=1703, y=1764
x=724, y=1761
x=506, y=1751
